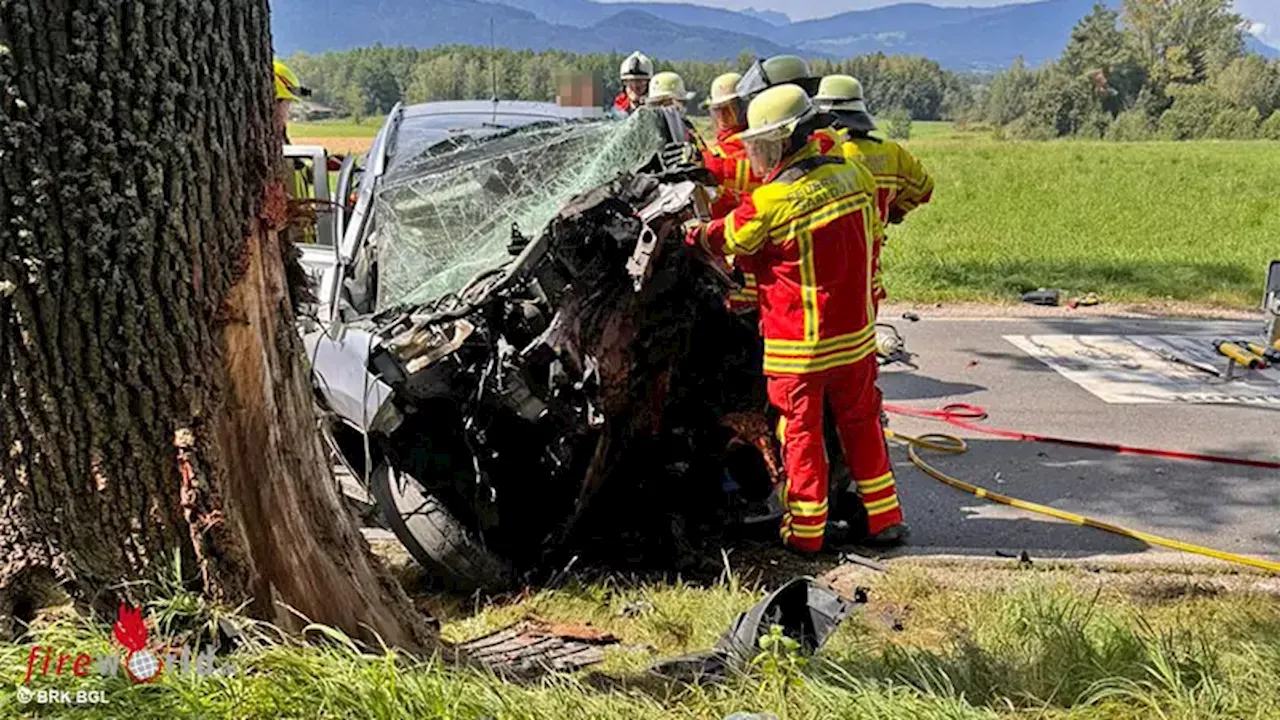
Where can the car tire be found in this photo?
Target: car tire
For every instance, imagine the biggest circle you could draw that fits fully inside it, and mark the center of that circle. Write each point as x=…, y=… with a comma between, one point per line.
x=444, y=547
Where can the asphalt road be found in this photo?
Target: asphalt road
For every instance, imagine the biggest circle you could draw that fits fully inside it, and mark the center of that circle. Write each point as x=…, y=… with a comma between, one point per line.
x=968, y=360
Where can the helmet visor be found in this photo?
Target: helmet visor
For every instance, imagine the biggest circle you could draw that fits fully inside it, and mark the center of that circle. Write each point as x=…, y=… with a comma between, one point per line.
x=754, y=81
x=765, y=152
x=729, y=116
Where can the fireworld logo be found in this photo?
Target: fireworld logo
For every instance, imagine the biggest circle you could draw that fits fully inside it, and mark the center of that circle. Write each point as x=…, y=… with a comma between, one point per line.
x=142, y=664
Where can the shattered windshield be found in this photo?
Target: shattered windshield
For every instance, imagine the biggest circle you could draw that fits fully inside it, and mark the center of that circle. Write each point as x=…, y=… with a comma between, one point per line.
x=447, y=215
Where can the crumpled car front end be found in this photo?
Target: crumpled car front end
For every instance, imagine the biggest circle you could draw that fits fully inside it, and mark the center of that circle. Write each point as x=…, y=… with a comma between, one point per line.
x=592, y=397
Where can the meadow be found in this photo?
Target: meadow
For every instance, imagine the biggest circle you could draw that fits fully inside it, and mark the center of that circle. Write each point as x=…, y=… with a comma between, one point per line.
x=1149, y=222
x=934, y=643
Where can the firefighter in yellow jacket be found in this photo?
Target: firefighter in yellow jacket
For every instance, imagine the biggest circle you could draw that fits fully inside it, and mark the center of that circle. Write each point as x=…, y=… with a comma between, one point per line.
x=903, y=183
x=808, y=233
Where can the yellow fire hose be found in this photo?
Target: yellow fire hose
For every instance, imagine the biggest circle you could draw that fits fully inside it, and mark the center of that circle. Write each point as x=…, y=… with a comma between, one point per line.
x=954, y=445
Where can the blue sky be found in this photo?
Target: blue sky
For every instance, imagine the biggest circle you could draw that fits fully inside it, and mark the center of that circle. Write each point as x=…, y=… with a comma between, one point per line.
x=1264, y=13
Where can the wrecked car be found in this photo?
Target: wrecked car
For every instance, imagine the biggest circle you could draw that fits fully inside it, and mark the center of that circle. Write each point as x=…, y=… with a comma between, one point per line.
x=522, y=361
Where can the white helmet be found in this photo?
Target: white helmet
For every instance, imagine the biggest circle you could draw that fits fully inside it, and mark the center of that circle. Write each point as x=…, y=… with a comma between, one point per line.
x=637, y=66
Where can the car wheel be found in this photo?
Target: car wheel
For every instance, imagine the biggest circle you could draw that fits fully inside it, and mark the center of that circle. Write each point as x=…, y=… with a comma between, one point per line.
x=443, y=546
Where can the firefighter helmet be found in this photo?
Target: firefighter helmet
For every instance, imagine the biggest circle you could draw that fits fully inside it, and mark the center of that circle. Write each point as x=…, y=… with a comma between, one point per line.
x=840, y=92
x=724, y=90
x=786, y=69
x=776, y=112
x=667, y=87
x=288, y=86
x=637, y=66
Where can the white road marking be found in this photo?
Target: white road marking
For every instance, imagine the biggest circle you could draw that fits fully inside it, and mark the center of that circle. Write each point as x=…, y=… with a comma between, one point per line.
x=1129, y=369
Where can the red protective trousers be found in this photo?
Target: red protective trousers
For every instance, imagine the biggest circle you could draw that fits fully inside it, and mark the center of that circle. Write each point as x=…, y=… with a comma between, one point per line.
x=856, y=402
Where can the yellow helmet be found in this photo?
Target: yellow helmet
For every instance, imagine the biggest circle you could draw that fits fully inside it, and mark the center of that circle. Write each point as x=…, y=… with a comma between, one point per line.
x=776, y=112
x=667, y=86
x=840, y=92
x=637, y=66
x=288, y=86
x=724, y=90
x=782, y=69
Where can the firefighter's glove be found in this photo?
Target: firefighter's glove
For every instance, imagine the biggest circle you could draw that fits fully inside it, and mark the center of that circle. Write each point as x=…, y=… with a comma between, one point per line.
x=695, y=234
x=680, y=155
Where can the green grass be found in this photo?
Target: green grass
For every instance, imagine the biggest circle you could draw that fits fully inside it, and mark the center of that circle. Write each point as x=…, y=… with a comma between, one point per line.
x=934, y=644
x=1133, y=222
x=337, y=128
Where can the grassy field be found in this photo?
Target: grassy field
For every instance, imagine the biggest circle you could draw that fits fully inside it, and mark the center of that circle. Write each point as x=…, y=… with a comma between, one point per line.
x=934, y=643
x=1146, y=221
x=1133, y=222
x=337, y=128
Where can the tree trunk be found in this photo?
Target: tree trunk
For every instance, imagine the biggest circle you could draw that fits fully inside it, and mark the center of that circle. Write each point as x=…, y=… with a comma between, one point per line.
x=153, y=396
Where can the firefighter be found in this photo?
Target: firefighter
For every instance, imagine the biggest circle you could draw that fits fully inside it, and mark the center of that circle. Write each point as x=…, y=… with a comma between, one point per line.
x=288, y=91
x=808, y=233
x=777, y=70
x=902, y=182
x=727, y=160
x=667, y=89
x=636, y=71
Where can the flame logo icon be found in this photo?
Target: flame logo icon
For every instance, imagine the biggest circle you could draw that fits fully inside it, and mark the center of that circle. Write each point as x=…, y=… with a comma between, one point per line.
x=130, y=630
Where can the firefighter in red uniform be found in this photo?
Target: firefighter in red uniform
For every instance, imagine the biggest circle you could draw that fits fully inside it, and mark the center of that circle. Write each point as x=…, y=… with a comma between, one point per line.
x=903, y=183
x=808, y=233
x=636, y=71
x=727, y=160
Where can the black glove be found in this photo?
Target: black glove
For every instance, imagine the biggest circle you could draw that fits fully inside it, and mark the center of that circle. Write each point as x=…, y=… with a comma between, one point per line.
x=679, y=155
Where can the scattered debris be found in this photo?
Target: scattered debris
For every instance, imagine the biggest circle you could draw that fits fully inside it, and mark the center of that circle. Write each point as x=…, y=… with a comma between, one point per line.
x=535, y=647
x=1088, y=300
x=866, y=562
x=1044, y=297
x=7, y=288
x=803, y=609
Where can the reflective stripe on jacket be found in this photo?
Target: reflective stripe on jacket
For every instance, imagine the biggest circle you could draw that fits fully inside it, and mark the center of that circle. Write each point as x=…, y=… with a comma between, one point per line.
x=808, y=234
x=903, y=183
x=727, y=160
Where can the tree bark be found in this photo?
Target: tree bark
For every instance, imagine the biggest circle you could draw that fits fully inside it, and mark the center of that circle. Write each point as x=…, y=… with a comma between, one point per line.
x=153, y=396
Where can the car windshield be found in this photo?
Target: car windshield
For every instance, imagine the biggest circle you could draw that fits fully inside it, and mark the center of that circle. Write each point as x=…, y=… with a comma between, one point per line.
x=446, y=214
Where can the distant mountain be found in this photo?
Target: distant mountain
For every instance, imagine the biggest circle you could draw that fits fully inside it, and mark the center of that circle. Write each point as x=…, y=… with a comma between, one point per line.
x=585, y=13
x=1254, y=45
x=319, y=25
x=960, y=38
x=772, y=17
x=957, y=37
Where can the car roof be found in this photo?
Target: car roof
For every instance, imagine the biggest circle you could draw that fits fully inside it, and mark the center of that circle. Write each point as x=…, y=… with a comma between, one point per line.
x=424, y=125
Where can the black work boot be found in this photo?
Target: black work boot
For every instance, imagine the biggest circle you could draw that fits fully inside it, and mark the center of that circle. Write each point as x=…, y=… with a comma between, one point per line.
x=891, y=537
x=839, y=533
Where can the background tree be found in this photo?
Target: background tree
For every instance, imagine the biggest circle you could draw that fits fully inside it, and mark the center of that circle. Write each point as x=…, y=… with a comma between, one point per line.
x=1098, y=50
x=1183, y=40
x=153, y=399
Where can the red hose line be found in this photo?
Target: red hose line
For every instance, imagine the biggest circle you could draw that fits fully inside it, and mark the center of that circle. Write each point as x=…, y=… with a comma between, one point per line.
x=968, y=417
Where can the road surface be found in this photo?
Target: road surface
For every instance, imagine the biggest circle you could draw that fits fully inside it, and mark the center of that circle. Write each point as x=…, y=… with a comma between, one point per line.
x=970, y=360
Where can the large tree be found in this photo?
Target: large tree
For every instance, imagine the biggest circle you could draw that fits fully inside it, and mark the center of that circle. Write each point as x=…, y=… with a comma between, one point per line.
x=153, y=396
x=1183, y=41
